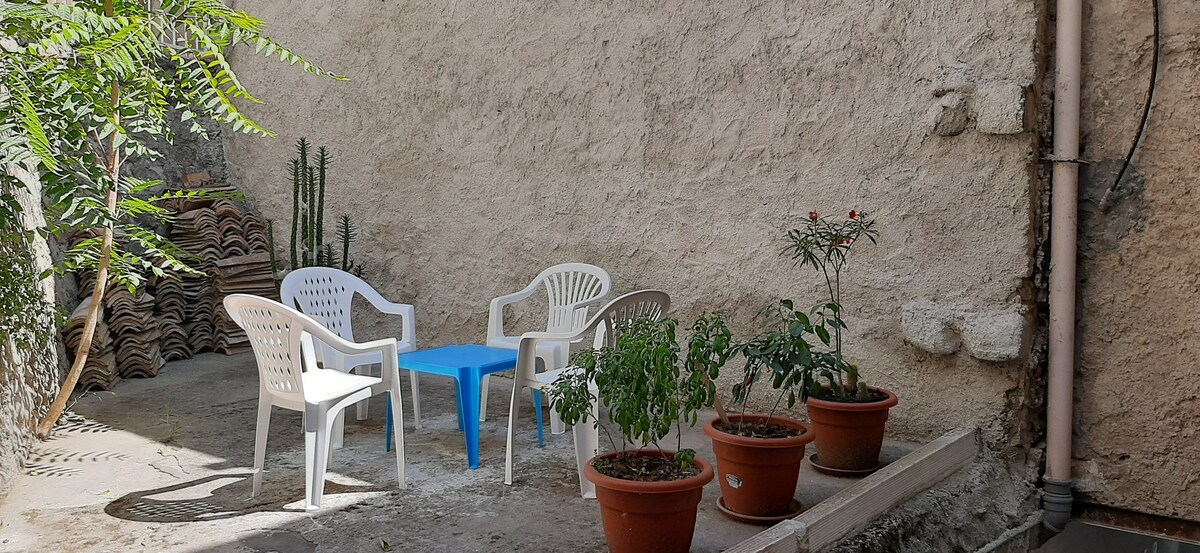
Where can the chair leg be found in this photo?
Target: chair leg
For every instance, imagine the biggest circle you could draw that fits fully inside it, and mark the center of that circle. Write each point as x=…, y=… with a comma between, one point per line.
x=483, y=393
x=415, y=383
x=321, y=459
x=339, y=430
x=310, y=460
x=557, y=426
x=363, y=408
x=587, y=445
x=512, y=420
x=396, y=410
x=260, y=441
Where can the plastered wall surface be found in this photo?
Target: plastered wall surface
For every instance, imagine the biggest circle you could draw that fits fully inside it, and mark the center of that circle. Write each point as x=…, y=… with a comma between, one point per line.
x=1137, y=392
x=672, y=143
x=29, y=377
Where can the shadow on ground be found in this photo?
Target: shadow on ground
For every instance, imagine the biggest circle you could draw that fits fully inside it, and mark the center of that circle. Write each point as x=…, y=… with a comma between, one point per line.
x=163, y=464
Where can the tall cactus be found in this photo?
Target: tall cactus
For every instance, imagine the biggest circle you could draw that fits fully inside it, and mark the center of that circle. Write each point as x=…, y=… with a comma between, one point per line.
x=347, y=232
x=297, y=180
x=301, y=206
x=308, y=215
x=322, y=165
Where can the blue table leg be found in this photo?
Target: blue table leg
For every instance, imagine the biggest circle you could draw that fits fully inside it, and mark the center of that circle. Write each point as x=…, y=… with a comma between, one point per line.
x=388, y=431
x=468, y=388
x=537, y=409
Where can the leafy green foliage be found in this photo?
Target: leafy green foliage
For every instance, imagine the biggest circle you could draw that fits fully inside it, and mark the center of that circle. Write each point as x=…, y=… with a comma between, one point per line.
x=825, y=243
x=785, y=354
x=644, y=381
x=85, y=87
x=81, y=92
x=26, y=318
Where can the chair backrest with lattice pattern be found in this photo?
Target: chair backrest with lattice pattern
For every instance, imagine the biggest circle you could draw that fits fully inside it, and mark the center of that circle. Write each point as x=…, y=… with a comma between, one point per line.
x=652, y=304
x=325, y=294
x=567, y=285
x=276, y=333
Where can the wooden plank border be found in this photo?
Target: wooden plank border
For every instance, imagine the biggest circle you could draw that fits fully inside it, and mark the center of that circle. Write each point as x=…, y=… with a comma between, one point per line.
x=855, y=507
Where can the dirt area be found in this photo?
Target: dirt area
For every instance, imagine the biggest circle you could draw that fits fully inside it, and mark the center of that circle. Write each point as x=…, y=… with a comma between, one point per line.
x=163, y=465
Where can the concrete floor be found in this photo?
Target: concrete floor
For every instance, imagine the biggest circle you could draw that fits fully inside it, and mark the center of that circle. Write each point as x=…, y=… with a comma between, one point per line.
x=162, y=464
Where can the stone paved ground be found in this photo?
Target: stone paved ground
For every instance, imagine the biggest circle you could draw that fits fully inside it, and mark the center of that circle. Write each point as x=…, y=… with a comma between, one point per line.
x=162, y=465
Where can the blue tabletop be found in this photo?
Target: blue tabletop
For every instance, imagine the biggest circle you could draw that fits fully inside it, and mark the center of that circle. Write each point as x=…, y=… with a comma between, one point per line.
x=450, y=360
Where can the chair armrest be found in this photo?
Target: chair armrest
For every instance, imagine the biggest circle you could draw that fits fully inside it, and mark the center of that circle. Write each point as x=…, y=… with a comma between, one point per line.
x=408, y=317
x=495, y=327
x=384, y=346
x=588, y=303
x=538, y=336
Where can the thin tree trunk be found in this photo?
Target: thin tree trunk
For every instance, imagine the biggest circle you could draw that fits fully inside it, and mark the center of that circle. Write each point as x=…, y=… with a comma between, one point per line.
x=93, y=317
x=721, y=413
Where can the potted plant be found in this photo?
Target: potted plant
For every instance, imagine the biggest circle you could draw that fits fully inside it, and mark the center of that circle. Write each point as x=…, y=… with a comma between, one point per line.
x=648, y=496
x=847, y=415
x=759, y=455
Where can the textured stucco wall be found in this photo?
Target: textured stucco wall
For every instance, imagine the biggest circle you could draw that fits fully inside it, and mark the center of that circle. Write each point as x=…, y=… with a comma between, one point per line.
x=1138, y=396
x=29, y=376
x=672, y=143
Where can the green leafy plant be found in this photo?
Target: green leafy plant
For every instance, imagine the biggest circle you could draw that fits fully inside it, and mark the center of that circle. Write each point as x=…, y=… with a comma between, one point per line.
x=646, y=384
x=825, y=243
x=27, y=319
x=88, y=85
x=782, y=353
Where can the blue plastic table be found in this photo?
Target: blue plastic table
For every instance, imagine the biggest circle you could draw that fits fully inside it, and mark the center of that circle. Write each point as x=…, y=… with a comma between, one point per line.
x=467, y=364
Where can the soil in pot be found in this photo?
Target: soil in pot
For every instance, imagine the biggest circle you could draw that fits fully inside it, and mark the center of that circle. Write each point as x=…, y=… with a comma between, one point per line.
x=759, y=465
x=647, y=515
x=849, y=434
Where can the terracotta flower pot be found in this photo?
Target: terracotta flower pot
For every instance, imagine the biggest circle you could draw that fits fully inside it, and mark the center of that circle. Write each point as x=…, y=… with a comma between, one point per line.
x=649, y=516
x=849, y=435
x=758, y=475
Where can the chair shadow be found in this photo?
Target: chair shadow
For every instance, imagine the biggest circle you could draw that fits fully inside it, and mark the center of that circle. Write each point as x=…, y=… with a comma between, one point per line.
x=227, y=501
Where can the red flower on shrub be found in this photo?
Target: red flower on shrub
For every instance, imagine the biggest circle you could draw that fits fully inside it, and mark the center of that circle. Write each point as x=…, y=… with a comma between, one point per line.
x=812, y=215
x=853, y=214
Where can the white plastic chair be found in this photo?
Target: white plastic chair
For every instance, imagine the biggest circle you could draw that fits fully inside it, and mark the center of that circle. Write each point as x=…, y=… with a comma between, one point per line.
x=326, y=294
x=653, y=304
x=570, y=289
x=282, y=339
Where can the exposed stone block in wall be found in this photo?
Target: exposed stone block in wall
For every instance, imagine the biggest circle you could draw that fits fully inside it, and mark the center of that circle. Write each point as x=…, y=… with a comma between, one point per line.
x=927, y=325
x=945, y=328
x=1000, y=108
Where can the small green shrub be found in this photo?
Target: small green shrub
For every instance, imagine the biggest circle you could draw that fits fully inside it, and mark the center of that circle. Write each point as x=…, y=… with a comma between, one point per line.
x=648, y=387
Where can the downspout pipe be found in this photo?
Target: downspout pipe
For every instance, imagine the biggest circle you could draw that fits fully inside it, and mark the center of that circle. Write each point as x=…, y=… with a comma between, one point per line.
x=1057, y=484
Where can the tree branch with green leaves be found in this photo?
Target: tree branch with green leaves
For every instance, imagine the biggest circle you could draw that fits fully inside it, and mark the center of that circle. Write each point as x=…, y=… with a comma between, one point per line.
x=87, y=86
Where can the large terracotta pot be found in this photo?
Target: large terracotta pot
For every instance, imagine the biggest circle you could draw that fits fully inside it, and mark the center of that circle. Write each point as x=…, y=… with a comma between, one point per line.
x=758, y=475
x=649, y=516
x=849, y=435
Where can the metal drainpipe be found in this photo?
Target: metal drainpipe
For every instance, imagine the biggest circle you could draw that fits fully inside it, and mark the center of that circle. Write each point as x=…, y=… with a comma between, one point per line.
x=1056, y=499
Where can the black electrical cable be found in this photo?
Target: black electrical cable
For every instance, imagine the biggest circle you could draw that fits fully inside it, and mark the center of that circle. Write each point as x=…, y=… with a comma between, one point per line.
x=1137, y=140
